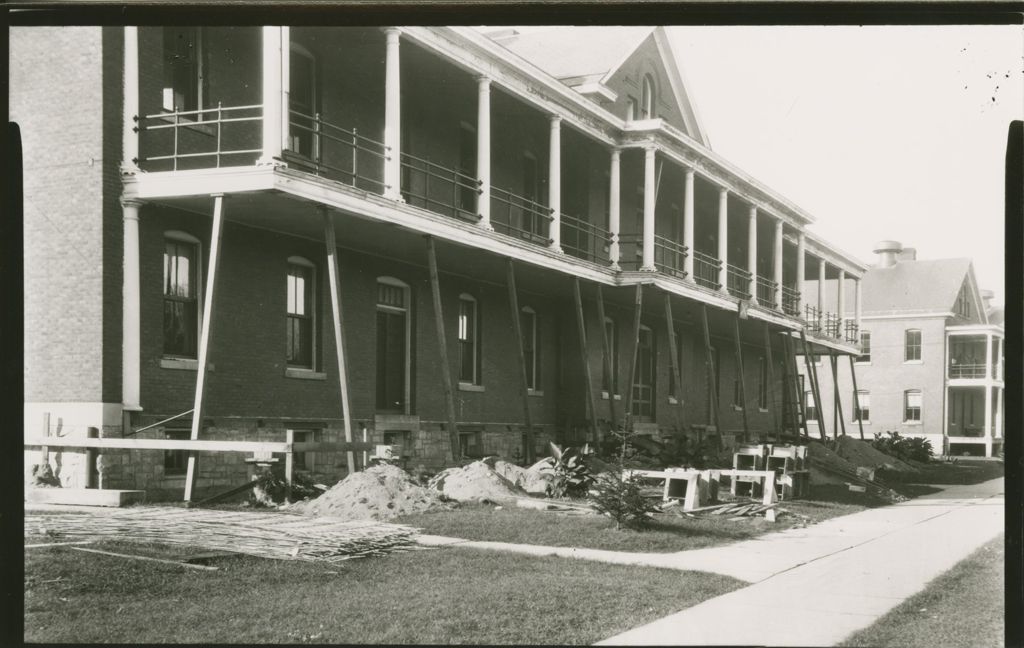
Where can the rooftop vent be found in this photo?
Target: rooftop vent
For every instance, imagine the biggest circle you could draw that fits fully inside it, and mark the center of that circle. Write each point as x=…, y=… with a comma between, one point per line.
x=908, y=254
x=888, y=253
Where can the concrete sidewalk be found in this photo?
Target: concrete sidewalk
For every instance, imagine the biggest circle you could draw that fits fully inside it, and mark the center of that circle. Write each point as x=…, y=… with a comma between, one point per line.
x=817, y=587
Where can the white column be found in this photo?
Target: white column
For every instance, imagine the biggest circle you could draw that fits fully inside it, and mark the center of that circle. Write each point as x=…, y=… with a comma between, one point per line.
x=988, y=357
x=688, y=226
x=555, y=182
x=821, y=286
x=129, y=134
x=841, y=301
x=613, y=209
x=286, y=88
x=648, y=233
x=801, y=268
x=777, y=264
x=392, y=117
x=999, y=413
x=273, y=90
x=131, y=330
x=483, y=150
x=752, y=253
x=857, y=305
x=723, y=238
x=988, y=420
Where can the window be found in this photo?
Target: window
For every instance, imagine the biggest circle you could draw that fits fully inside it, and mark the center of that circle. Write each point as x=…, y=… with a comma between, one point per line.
x=304, y=460
x=183, y=69
x=301, y=309
x=912, y=406
x=469, y=340
x=762, y=384
x=865, y=346
x=176, y=461
x=302, y=102
x=471, y=444
x=647, y=98
x=533, y=222
x=862, y=406
x=643, y=388
x=912, y=345
x=531, y=347
x=810, y=410
x=181, y=299
x=467, y=180
x=610, y=383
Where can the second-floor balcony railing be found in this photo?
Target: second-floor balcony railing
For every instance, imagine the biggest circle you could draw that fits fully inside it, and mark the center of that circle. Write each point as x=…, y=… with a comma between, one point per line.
x=851, y=332
x=966, y=370
x=336, y=153
x=438, y=188
x=200, y=139
x=813, y=318
x=831, y=323
x=739, y=281
x=583, y=239
x=521, y=217
x=766, y=293
x=790, y=301
x=669, y=256
x=705, y=270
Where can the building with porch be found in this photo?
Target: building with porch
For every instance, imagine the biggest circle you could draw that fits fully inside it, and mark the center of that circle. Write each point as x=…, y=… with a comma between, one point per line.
x=931, y=364
x=456, y=241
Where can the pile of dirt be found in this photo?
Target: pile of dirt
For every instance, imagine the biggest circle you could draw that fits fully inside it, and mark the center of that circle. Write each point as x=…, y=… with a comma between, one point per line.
x=534, y=480
x=862, y=453
x=825, y=464
x=379, y=492
x=477, y=482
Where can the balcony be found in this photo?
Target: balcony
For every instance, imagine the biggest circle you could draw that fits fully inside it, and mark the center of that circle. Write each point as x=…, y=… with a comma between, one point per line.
x=520, y=217
x=812, y=316
x=766, y=289
x=967, y=370
x=790, y=301
x=584, y=240
x=739, y=281
x=438, y=188
x=851, y=332
x=831, y=323
x=200, y=139
x=705, y=270
x=669, y=256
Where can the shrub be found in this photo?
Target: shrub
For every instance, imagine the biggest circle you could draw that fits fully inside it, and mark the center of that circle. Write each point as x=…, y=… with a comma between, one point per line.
x=903, y=448
x=621, y=498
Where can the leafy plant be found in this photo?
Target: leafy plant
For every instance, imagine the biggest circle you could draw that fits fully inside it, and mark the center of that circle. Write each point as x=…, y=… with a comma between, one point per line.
x=570, y=475
x=621, y=499
x=902, y=447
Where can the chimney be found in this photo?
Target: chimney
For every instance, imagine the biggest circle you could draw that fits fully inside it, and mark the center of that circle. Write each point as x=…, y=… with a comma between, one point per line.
x=888, y=253
x=908, y=254
x=986, y=296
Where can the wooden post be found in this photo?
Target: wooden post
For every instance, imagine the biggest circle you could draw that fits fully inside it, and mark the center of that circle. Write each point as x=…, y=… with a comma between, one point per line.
x=812, y=377
x=739, y=370
x=517, y=331
x=587, y=378
x=289, y=465
x=606, y=358
x=856, y=397
x=204, y=338
x=674, y=363
x=339, y=335
x=771, y=379
x=442, y=346
x=794, y=385
x=45, y=450
x=366, y=453
x=637, y=312
x=835, y=390
x=711, y=374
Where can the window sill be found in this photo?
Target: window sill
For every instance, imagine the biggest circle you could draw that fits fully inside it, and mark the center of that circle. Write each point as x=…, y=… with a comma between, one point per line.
x=913, y=362
x=863, y=364
x=672, y=400
x=860, y=422
x=188, y=364
x=737, y=408
x=304, y=374
x=763, y=410
x=470, y=387
x=911, y=422
x=534, y=392
x=604, y=396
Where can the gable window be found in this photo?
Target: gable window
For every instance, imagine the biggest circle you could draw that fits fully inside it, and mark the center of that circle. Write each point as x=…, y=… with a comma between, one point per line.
x=610, y=383
x=643, y=388
x=865, y=348
x=647, y=98
x=810, y=409
x=181, y=298
x=176, y=461
x=912, y=400
x=301, y=331
x=912, y=345
x=862, y=406
x=469, y=336
x=183, y=69
x=762, y=384
x=467, y=180
x=531, y=347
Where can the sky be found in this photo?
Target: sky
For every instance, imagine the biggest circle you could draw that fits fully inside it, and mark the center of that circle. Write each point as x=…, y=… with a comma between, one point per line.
x=891, y=132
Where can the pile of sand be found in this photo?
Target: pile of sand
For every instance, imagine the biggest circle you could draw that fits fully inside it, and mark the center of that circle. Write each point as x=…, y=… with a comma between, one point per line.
x=480, y=481
x=823, y=463
x=534, y=480
x=379, y=492
x=861, y=453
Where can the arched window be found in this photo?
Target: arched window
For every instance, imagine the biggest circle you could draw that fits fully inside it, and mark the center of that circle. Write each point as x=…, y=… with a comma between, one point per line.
x=393, y=345
x=301, y=317
x=469, y=340
x=181, y=294
x=647, y=98
x=531, y=347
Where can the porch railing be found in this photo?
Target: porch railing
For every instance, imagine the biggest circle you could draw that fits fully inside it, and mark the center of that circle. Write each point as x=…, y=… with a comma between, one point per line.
x=852, y=331
x=336, y=153
x=831, y=323
x=705, y=270
x=438, y=188
x=583, y=239
x=739, y=281
x=669, y=256
x=766, y=293
x=790, y=301
x=967, y=370
x=813, y=318
x=200, y=139
x=521, y=217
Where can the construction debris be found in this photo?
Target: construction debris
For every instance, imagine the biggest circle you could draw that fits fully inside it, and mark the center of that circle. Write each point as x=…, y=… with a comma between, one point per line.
x=378, y=493
x=476, y=482
x=267, y=535
x=828, y=467
x=43, y=477
x=862, y=454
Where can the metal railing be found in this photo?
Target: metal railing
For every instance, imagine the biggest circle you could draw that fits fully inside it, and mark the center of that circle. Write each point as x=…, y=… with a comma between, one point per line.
x=583, y=239
x=766, y=293
x=521, y=217
x=706, y=269
x=738, y=281
x=631, y=251
x=334, y=152
x=440, y=189
x=851, y=331
x=831, y=324
x=967, y=370
x=197, y=139
x=669, y=256
x=790, y=301
x=812, y=316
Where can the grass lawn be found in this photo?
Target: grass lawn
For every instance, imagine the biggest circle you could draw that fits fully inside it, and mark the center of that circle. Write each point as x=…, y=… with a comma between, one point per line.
x=962, y=608
x=428, y=596
x=668, y=533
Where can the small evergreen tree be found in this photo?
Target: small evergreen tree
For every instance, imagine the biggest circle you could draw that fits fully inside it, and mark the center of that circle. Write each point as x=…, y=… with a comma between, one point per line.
x=621, y=497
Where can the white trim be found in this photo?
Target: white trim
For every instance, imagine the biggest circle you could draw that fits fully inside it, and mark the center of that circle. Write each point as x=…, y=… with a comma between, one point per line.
x=470, y=387
x=596, y=88
x=909, y=315
x=680, y=88
x=304, y=373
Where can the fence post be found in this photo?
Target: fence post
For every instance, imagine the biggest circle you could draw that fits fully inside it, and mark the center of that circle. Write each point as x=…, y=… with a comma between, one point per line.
x=220, y=116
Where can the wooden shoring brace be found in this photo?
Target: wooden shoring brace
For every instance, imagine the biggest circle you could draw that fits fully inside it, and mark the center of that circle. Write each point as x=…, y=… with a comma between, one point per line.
x=771, y=380
x=585, y=359
x=674, y=363
x=339, y=335
x=637, y=312
x=606, y=359
x=711, y=374
x=794, y=385
x=739, y=373
x=856, y=398
x=203, y=357
x=812, y=377
x=442, y=347
x=517, y=331
x=835, y=390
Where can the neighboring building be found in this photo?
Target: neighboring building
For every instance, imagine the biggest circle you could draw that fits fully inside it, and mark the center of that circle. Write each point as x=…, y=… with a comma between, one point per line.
x=575, y=152
x=932, y=361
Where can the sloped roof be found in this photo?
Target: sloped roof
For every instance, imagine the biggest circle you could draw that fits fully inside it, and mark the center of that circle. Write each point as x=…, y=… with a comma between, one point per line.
x=566, y=52
x=997, y=315
x=914, y=286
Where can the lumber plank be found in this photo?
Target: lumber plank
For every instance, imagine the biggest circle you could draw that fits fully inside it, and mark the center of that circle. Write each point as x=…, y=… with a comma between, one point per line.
x=454, y=447
x=339, y=334
x=147, y=558
x=585, y=359
x=517, y=332
x=606, y=359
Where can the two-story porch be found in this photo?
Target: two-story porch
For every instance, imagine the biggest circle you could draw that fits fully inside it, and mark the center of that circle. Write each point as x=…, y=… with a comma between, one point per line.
x=974, y=389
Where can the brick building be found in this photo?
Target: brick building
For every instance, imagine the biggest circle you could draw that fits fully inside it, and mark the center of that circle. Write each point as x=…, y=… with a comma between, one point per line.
x=188, y=184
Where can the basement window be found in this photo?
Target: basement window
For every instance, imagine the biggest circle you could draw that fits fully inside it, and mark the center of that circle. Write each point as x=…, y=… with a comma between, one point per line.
x=176, y=461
